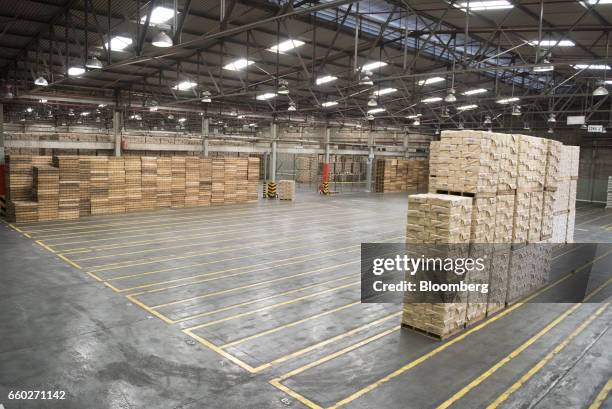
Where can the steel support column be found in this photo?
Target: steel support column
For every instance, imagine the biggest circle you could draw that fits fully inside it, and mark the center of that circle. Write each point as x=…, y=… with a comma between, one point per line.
x=274, y=134
x=370, y=162
x=205, y=133
x=1, y=134
x=117, y=131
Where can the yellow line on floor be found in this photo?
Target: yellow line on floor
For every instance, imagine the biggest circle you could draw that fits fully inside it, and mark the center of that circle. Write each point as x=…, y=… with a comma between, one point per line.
x=275, y=280
x=455, y=340
x=536, y=368
x=337, y=354
x=219, y=351
x=326, y=342
x=43, y=245
x=242, y=304
x=155, y=220
x=602, y=395
x=67, y=260
x=269, y=307
x=466, y=389
x=267, y=265
x=289, y=325
x=294, y=394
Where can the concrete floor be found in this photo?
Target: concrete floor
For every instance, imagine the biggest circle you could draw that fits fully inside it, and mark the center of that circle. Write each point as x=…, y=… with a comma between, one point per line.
x=257, y=306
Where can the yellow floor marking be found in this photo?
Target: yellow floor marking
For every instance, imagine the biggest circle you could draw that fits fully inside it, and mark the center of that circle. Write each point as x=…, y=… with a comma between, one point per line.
x=219, y=351
x=67, y=260
x=536, y=368
x=326, y=342
x=149, y=310
x=602, y=395
x=274, y=280
x=446, y=345
x=466, y=389
x=155, y=220
x=270, y=307
x=184, y=256
x=337, y=354
x=43, y=245
x=242, y=304
x=268, y=265
x=294, y=394
x=289, y=325
x=154, y=226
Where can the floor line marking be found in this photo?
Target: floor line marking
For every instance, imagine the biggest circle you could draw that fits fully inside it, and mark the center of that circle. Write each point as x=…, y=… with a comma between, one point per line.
x=536, y=368
x=43, y=245
x=221, y=222
x=67, y=260
x=107, y=267
x=452, y=341
x=516, y=352
x=602, y=395
x=219, y=351
x=155, y=220
x=289, y=325
x=269, y=307
x=328, y=341
x=274, y=280
x=230, y=307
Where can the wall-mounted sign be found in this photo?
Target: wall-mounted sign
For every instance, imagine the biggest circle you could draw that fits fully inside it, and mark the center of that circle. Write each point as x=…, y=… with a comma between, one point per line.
x=595, y=129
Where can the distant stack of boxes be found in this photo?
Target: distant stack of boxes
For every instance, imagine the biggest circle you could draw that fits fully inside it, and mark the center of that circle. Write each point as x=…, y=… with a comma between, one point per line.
x=514, y=185
x=104, y=185
x=609, y=195
x=302, y=169
x=286, y=189
x=401, y=175
x=564, y=197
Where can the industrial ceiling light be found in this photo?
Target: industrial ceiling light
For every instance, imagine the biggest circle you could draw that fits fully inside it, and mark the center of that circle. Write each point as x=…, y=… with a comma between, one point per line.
x=460, y=125
x=487, y=120
x=283, y=89
x=591, y=66
x=370, y=117
x=292, y=106
x=71, y=112
x=550, y=130
x=94, y=63
x=544, y=66
x=101, y=105
x=184, y=85
x=414, y=116
x=551, y=118
x=552, y=43
x=600, y=91
x=376, y=110
x=366, y=80
x=445, y=113
x=42, y=101
x=29, y=110
x=431, y=80
x=182, y=119
x=474, y=91
x=75, y=71
x=265, y=96
x=329, y=104
x=206, y=96
x=467, y=107
x=373, y=65
x=416, y=122
x=431, y=100
x=451, y=96
x=159, y=15
x=526, y=127
x=385, y=91
x=238, y=64
x=325, y=79
x=372, y=102
x=286, y=45
x=507, y=100
x=484, y=5
x=516, y=110
x=584, y=126
x=41, y=81
x=154, y=108
x=162, y=40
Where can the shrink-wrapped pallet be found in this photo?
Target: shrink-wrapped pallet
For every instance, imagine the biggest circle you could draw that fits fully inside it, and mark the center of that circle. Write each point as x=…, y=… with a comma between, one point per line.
x=483, y=220
x=504, y=216
x=536, y=203
x=547, y=215
x=520, y=227
x=531, y=163
x=286, y=189
x=553, y=165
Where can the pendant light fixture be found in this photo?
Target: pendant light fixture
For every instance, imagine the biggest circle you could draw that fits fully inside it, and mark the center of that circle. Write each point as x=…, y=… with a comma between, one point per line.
x=162, y=40
x=41, y=81
x=451, y=93
x=94, y=63
x=601, y=91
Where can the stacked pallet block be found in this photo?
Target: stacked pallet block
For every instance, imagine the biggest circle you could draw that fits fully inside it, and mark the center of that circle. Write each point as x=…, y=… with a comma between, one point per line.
x=84, y=186
x=302, y=169
x=46, y=191
x=192, y=181
x=435, y=219
x=133, y=183
x=242, y=183
x=401, y=175
x=286, y=189
x=252, y=178
x=178, y=182
x=18, y=177
x=218, y=180
x=609, y=193
x=69, y=186
x=116, y=185
x=148, y=182
x=164, y=182
x=229, y=180
x=205, y=192
x=22, y=211
x=98, y=185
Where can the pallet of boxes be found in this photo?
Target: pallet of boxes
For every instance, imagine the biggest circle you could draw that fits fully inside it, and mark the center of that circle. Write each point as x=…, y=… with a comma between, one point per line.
x=286, y=189
x=401, y=175
x=500, y=195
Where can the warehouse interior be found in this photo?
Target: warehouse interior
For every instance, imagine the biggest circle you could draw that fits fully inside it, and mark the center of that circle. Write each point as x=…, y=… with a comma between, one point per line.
x=187, y=186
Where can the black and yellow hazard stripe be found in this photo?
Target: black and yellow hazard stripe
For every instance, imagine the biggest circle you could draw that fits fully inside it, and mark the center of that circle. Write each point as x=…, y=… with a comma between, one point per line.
x=2, y=205
x=325, y=188
x=271, y=190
